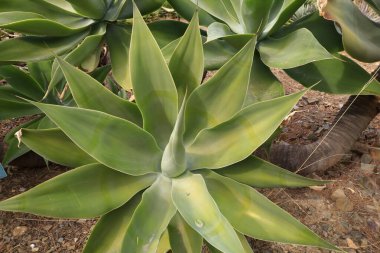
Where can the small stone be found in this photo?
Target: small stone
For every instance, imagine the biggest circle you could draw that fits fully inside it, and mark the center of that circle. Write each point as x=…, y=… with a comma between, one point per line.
x=364, y=243
x=312, y=101
x=337, y=194
x=60, y=240
x=19, y=231
x=344, y=204
x=47, y=227
x=366, y=158
x=351, y=244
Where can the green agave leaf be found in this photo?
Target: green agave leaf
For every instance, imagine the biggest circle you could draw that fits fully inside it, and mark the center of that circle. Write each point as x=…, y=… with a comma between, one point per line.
x=224, y=10
x=284, y=52
x=153, y=85
x=173, y=161
x=16, y=107
x=255, y=14
x=186, y=63
x=281, y=12
x=86, y=48
x=256, y=216
x=196, y=206
x=183, y=239
x=323, y=30
x=85, y=192
x=186, y=9
x=217, y=53
x=235, y=139
x=31, y=23
x=55, y=146
x=15, y=149
x=100, y=74
x=90, y=94
x=113, y=141
x=141, y=239
x=114, y=9
x=263, y=84
x=91, y=8
x=206, y=107
x=164, y=244
x=218, y=30
x=166, y=31
x=256, y=172
x=92, y=61
x=145, y=6
x=118, y=40
x=361, y=36
x=338, y=76
x=109, y=232
x=243, y=240
x=21, y=82
x=31, y=48
x=41, y=72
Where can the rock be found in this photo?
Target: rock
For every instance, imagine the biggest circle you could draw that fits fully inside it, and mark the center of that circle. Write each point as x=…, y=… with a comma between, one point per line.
x=367, y=169
x=351, y=244
x=341, y=201
x=60, y=240
x=19, y=231
x=366, y=158
x=337, y=194
x=312, y=101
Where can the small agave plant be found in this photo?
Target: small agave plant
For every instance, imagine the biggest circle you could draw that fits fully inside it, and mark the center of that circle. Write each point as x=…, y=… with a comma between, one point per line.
x=173, y=169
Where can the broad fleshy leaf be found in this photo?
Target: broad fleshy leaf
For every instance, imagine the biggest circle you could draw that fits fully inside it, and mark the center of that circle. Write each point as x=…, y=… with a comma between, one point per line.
x=217, y=53
x=256, y=216
x=235, y=139
x=166, y=31
x=153, y=85
x=145, y=7
x=55, y=146
x=196, y=206
x=186, y=63
x=155, y=211
x=21, y=82
x=222, y=96
x=263, y=84
x=109, y=232
x=183, y=239
x=90, y=94
x=218, y=30
x=258, y=173
x=64, y=197
x=186, y=9
x=243, y=240
x=118, y=40
x=338, y=76
x=31, y=48
x=361, y=35
x=112, y=141
x=90, y=8
x=255, y=14
x=41, y=72
x=285, y=52
x=164, y=244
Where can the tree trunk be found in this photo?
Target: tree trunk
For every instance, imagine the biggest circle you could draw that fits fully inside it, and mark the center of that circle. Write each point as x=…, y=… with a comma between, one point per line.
x=335, y=146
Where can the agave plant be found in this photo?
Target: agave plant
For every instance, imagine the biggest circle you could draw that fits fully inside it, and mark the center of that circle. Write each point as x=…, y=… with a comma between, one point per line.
x=307, y=49
x=31, y=84
x=78, y=30
x=173, y=168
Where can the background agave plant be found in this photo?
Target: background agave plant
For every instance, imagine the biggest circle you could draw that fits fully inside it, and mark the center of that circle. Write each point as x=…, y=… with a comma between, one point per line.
x=172, y=169
x=31, y=84
x=307, y=49
x=77, y=30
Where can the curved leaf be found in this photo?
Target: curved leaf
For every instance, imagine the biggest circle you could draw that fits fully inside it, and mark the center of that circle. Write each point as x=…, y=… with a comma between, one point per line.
x=337, y=76
x=217, y=53
x=109, y=232
x=112, y=141
x=55, y=146
x=285, y=52
x=166, y=31
x=145, y=6
x=256, y=216
x=361, y=36
x=255, y=14
x=21, y=82
x=90, y=8
x=256, y=172
x=141, y=239
x=90, y=94
x=186, y=9
x=196, y=206
x=41, y=72
x=118, y=41
x=183, y=239
x=218, y=30
x=64, y=197
x=31, y=23
x=207, y=105
x=153, y=85
x=30, y=48
x=235, y=139
x=186, y=63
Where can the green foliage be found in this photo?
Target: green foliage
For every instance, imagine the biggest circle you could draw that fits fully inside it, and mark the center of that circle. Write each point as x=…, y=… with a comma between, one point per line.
x=170, y=181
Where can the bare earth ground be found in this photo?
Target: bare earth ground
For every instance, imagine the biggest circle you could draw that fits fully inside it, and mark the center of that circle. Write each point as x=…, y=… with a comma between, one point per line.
x=353, y=225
